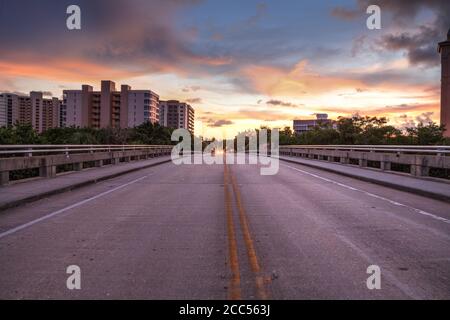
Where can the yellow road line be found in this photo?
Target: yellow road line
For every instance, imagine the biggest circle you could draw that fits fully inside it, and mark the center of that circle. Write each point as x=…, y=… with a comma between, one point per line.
x=234, y=289
x=251, y=252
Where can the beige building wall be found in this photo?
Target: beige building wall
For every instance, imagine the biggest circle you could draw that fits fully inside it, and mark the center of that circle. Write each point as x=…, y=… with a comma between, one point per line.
x=124, y=91
x=176, y=114
x=25, y=114
x=106, y=100
x=444, y=50
x=110, y=108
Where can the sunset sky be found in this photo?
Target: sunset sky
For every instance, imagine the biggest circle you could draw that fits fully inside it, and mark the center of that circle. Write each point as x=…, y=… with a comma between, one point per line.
x=240, y=64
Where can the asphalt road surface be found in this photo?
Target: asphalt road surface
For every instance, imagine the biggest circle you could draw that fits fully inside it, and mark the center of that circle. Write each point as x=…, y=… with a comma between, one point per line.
x=227, y=232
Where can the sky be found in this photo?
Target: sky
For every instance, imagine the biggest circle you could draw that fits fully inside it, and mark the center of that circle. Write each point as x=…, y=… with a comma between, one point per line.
x=240, y=63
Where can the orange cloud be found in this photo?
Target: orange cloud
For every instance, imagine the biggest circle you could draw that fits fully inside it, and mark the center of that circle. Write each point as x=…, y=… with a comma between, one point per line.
x=386, y=110
x=295, y=82
x=67, y=70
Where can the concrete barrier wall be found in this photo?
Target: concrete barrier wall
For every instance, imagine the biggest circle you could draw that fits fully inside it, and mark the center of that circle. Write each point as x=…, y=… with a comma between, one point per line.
x=47, y=164
x=419, y=164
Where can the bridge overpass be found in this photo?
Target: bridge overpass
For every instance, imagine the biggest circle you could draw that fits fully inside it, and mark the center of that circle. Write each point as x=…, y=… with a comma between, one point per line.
x=154, y=230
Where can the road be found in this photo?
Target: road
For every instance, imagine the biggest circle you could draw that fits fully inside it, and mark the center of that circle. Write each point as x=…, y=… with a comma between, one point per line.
x=227, y=232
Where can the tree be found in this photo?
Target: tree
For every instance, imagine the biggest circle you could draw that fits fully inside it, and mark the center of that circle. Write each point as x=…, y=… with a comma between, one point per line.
x=430, y=134
x=19, y=134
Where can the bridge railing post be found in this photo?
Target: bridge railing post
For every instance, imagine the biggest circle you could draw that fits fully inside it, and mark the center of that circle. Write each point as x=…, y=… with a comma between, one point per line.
x=420, y=167
x=47, y=171
x=4, y=178
x=385, y=165
x=344, y=159
x=362, y=162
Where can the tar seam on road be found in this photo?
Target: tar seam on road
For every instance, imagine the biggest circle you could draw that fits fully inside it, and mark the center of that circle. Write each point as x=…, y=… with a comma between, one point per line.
x=234, y=292
x=251, y=252
x=372, y=195
x=50, y=215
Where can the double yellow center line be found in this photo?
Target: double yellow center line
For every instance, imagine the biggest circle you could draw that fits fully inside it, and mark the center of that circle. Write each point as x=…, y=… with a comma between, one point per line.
x=235, y=287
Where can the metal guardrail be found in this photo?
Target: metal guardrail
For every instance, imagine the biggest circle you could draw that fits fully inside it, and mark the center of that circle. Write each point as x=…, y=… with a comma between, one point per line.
x=415, y=160
x=48, y=158
x=442, y=150
x=33, y=150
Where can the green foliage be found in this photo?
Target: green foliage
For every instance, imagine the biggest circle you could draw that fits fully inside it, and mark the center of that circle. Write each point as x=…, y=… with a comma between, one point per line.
x=146, y=133
x=19, y=134
x=430, y=134
x=150, y=134
x=354, y=130
x=366, y=130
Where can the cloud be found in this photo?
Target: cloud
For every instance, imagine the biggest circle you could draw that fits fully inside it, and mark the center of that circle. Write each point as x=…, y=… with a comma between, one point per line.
x=262, y=114
x=281, y=103
x=402, y=10
x=404, y=121
x=246, y=114
x=303, y=81
x=194, y=100
x=261, y=9
x=125, y=39
x=386, y=110
x=219, y=123
x=294, y=82
x=405, y=107
x=191, y=88
x=424, y=117
x=358, y=44
x=419, y=43
x=67, y=70
x=345, y=13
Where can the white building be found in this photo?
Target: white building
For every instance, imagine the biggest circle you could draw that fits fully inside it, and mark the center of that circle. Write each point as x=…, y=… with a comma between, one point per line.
x=141, y=106
x=176, y=114
x=301, y=126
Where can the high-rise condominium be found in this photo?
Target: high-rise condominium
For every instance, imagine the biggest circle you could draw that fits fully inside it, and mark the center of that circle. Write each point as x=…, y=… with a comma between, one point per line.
x=176, y=114
x=109, y=107
x=39, y=112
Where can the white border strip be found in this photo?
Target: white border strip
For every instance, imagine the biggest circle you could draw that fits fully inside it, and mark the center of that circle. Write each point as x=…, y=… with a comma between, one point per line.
x=372, y=195
x=50, y=215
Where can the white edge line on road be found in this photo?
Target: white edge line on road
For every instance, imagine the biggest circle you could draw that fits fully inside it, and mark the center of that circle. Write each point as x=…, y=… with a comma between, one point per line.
x=50, y=215
x=372, y=195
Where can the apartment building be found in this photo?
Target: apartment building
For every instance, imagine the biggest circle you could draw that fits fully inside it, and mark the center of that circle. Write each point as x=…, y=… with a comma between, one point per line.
x=143, y=105
x=3, y=108
x=109, y=107
x=176, y=114
x=34, y=109
x=24, y=106
x=301, y=126
x=44, y=112
x=50, y=115
x=9, y=109
x=77, y=108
